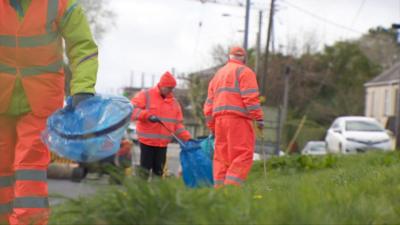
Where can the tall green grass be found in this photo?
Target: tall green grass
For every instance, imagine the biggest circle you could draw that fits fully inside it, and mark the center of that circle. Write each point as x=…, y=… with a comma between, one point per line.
x=357, y=189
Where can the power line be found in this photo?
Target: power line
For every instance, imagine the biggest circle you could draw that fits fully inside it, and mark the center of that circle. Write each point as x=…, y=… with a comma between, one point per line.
x=238, y=3
x=358, y=13
x=320, y=17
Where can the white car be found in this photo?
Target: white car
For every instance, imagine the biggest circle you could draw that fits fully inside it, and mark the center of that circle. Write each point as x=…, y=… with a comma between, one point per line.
x=314, y=148
x=351, y=134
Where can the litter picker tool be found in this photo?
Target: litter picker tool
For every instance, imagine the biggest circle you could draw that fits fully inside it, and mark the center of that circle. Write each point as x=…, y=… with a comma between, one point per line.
x=172, y=133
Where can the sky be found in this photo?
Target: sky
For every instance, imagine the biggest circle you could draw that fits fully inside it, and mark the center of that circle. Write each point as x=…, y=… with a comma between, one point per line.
x=153, y=36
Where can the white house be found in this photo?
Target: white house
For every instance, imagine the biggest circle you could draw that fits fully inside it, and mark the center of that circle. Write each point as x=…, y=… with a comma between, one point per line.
x=381, y=95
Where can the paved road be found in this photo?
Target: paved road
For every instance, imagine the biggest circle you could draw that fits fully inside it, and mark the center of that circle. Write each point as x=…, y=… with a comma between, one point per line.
x=88, y=186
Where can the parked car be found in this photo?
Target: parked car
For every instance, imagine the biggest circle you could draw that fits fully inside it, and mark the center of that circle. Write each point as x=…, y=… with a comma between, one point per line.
x=314, y=148
x=356, y=134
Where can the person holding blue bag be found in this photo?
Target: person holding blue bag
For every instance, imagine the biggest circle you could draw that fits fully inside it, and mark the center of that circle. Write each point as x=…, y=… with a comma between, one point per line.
x=157, y=113
x=31, y=89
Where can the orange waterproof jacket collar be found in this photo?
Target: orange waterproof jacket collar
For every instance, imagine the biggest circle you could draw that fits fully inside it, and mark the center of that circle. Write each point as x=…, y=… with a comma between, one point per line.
x=150, y=102
x=32, y=50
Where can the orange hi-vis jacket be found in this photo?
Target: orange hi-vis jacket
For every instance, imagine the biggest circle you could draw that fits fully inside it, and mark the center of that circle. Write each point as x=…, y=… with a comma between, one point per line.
x=32, y=50
x=150, y=102
x=233, y=91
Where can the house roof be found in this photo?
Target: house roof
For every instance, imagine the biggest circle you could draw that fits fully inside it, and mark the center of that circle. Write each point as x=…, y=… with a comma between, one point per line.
x=388, y=76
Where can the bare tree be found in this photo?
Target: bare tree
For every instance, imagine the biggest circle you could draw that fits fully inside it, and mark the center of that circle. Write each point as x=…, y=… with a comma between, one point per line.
x=380, y=46
x=100, y=16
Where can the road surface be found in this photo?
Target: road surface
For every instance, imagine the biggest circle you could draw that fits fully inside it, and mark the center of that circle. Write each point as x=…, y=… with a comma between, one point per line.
x=59, y=190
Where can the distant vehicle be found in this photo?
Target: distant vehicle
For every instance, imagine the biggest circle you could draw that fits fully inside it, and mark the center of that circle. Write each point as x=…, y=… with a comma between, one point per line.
x=314, y=148
x=351, y=134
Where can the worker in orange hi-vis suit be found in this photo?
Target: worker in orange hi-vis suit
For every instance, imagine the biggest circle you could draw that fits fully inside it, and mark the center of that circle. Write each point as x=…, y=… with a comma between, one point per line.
x=230, y=109
x=34, y=34
x=155, y=108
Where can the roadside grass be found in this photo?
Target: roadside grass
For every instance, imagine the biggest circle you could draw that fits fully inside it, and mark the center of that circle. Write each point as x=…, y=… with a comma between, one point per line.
x=354, y=189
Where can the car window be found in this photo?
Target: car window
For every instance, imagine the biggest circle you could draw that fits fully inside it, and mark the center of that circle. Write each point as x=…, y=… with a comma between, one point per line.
x=335, y=125
x=362, y=126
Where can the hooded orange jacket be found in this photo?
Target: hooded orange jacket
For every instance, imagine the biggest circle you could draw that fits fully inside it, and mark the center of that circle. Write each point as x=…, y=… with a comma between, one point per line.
x=150, y=102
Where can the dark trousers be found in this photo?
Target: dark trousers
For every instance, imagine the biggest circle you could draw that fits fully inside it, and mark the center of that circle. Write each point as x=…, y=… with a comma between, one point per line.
x=152, y=158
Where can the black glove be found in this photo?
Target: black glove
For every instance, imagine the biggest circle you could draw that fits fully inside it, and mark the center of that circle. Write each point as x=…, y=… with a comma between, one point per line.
x=79, y=97
x=260, y=124
x=154, y=119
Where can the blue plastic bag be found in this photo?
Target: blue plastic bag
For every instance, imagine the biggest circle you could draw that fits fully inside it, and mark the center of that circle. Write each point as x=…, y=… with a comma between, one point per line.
x=196, y=165
x=207, y=145
x=91, y=131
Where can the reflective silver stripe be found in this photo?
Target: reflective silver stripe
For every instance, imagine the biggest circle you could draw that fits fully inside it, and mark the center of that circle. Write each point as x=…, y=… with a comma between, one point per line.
x=6, y=208
x=88, y=57
x=170, y=120
x=227, y=89
x=235, y=179
x=28, y=41
x=8, y=41
x=249, y=91
x=209, y=101
x=147, y=99
x=218, y=182
x=231, y=108
x=154, y=136
x=180, y=130
x=6, y=181
x=7, y=69
x=31, y=202
x=238, y=72
x=35, y=70
x=253, y=107
x=52, y=10
x=33, y=175
x=137, y=114
x=39, y=40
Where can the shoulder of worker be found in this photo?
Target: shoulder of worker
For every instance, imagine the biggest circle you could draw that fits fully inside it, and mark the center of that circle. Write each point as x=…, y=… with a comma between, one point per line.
x=244, y=70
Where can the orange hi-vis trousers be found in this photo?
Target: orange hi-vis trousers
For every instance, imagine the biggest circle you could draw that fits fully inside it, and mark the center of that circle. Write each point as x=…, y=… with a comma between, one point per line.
x=23, y=165
x=234, y=149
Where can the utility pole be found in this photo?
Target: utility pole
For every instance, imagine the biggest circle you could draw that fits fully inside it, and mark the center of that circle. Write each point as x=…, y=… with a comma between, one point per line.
x=270, y=24
x=246, y=25
x=258, y=47
x=143, y=80
x=285, y=95
x=397, y=125
x=131, y=79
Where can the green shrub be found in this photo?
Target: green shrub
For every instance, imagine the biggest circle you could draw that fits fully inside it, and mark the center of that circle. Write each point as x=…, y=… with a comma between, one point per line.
x=354, y=189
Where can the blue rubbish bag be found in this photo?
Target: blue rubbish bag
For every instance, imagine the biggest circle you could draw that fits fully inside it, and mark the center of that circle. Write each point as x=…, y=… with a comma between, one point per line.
x=196, y=165
x=91, y=131
x=207, y=145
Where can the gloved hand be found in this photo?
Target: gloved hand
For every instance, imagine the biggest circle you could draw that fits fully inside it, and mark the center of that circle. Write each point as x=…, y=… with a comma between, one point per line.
x=260, y=124
x=79, y=97
x=154, y=119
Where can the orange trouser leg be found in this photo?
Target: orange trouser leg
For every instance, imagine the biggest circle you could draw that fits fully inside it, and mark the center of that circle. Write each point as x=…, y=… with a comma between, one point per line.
x=234, y=144
x=7, y=146
x=221, y=159
x=30, y=166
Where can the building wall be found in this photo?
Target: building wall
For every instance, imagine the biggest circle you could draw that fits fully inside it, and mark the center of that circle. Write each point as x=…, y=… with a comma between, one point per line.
x=380, y=102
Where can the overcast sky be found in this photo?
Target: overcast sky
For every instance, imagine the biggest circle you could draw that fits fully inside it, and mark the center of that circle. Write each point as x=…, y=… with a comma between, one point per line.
x=152, y=36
